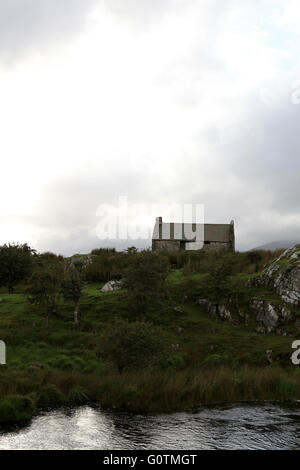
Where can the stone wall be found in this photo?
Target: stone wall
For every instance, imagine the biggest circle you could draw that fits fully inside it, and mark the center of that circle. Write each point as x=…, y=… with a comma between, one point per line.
x=175, y=245
x=165, y=245
x=216, y=246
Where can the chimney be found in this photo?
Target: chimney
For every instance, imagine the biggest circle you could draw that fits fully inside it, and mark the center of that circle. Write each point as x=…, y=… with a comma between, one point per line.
x=159, y=225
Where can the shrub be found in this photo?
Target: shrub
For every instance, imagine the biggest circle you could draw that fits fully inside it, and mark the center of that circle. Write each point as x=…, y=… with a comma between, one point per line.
x=215, y=360
x=174, y=361
x=16, y=408
x=128, y=395
x=101, y=251
x=44, y=288
x=50, y=396
x=66, y=363
x=16, y=263
x=144, y=280
x=133, y=345
x=94, y=366
x=107, y=265
x=77, y=396
x=285, y=387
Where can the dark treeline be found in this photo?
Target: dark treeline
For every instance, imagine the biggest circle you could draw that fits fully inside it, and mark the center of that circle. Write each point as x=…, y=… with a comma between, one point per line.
x=47, y=277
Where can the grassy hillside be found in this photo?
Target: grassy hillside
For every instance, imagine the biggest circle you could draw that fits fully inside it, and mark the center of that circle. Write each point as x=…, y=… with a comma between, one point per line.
x=206, y=359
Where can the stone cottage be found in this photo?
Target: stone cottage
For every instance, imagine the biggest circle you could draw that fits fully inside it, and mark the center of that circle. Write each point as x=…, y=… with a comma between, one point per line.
x=191, y=237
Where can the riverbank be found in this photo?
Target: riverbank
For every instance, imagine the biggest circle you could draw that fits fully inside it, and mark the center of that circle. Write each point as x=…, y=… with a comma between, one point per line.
x=147, y=391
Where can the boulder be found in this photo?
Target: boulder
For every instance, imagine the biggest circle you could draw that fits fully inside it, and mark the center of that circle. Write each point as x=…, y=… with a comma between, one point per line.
x=83, y=261
x=179, y=309
x=215, y=310
x=269, y=356
x=269, y=316
x=224, y=313
x=111, y=286
x=283, y=275
x=208, y=306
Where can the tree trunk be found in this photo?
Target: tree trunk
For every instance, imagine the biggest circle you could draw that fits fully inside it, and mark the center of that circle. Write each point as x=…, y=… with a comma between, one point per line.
x=76, y=313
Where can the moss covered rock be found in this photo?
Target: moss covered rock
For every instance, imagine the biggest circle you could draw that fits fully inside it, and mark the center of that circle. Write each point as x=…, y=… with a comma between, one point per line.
x=283, y=275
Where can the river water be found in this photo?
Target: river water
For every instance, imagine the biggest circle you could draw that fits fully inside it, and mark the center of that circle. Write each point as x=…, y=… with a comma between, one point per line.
x=237, y=427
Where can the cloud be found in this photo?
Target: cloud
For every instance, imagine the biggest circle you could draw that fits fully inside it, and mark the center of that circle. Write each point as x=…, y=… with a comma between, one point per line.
x=162, y=101
x=141, y=11
x=29, y=25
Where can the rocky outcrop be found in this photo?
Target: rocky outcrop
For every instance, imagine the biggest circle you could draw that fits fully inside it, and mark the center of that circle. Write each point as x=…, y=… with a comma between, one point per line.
x=78, y=262
x=269, y=316
x=224, y=313
x=208, y=306
x=84, y=261
x=212, y=309
x=111, y=286
x=283, y=275
x=269, y=356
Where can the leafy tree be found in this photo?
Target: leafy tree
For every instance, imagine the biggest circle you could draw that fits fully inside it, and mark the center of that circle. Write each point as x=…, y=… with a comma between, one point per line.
x=106, y=265
x=254, y=257
x=50, y=257
x=101, y=251
x=16, y=263
x=189, y=289
x=216, y=286
x=72, y=287
x=133, y=345
x=45, y=287
x=132, y=250
x=144, y=280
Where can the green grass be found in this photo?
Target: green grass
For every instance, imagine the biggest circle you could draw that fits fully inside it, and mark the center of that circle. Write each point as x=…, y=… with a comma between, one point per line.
x=176, y=276
x=215, y=361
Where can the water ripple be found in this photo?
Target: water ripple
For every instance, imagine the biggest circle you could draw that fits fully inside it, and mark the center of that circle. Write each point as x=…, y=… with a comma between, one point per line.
x=238, y=427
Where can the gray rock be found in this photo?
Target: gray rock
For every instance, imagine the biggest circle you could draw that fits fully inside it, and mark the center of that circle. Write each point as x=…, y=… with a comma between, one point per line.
x=1, y=300
x=269, y=356
x=265, y=313
x=204, y=303
x=79, y=261
x=215, y=310
x=270, y=316
x=261, y=330
x=179, y=309
x=224, y=313
x=283, y=275
x=111, y=286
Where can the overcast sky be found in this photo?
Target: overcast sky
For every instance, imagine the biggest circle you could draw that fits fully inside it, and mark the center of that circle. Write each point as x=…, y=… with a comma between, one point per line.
x=162, y=101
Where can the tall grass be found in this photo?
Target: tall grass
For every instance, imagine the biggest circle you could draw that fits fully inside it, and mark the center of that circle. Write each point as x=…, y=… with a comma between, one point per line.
x=155, y=391
x=201, y=261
